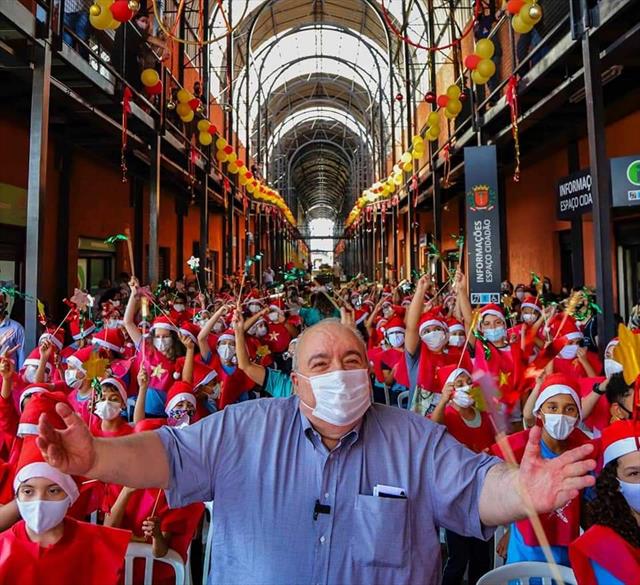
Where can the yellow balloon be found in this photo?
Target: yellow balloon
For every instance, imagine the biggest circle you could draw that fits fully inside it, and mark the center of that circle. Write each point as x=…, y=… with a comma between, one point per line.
x=397, y=179
x=203, y=126
x=406, y=158
x=417, y=140
x=417, y=154
x=221, y=156
x=149, y=77
x=519, y=26
x=486, y=68
x=449, y=115
x=433, y=118
x=186, y=119
x=100, y=16
x=453, y=91
x=183, y=110
x=184, y=96
x=408, y=167
x=485, y=48
x=221, y=143
x=233, y=157
x=205, y=138
x=454, y=107
x=243, y=180
x=477, y=78
x=232, y=168
x=433, y=133
x=250, y=188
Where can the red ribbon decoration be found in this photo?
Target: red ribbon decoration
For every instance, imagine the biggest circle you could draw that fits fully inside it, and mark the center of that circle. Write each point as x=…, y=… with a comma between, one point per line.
x=126, y=110
x=512, y=100
x=414, y=186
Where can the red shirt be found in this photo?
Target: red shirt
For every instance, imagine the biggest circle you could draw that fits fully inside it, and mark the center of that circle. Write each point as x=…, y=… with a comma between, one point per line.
x=476, y=438
x=278, y=338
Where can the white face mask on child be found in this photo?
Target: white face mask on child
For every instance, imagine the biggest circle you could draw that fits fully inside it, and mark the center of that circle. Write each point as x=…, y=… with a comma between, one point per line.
x=43, y=515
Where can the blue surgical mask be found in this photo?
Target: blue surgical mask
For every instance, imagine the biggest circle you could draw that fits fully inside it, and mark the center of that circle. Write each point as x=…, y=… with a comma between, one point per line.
x=494, y=335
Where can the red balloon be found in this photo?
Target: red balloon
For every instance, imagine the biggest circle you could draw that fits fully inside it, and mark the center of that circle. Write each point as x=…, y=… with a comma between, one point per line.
x=430, y=97
x=471, y=61
x=194, y=103
x=514, y=6
x=240, y=163
x=443, y=100
x=248, y=175
x=212, y=129
x=228, y=149
x=120, y=11
x=154, y=89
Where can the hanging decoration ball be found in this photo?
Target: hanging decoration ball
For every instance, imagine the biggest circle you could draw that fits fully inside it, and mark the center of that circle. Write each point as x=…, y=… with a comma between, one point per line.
x=443, y=100
x=463, y=96
x=188, y=118
x=453, y=92
x=430, y=97
x=204, y=137
x=134, y=5
x=221, y=156
x=120, y=11
x=486, y=68
x=203, y=125
x=94, y=10
x=471, y=61
x=183, y=109
x=399, y=97
x=485, y=48
x=514, y=6
x=200, y=108
x=478, y=79
x=171, y=105
x=221, y=143
x=184, y=96
x=228, y=149
x=454, y=107
x=535, y=13
x=519, y=26
x=149, y=77
x=433, y=118
x=154, y=89
x=406, y=158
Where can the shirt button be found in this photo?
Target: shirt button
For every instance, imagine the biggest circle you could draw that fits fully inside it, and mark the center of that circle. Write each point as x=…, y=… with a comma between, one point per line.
x=326, y=496
x=322, y=539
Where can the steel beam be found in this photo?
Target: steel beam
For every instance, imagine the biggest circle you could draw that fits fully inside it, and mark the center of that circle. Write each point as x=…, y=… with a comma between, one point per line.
x=153, y=265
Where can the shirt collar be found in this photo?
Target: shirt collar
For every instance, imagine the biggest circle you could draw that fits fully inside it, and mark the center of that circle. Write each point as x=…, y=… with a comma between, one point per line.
x=347, y=440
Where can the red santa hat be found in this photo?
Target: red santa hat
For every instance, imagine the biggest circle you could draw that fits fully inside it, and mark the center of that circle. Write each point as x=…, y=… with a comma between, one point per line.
x=111, y=338
x=29, y=391
x=491, y=309
x=564, y=332
x=163, y=322
x=360, y=315
x=149, y=424
x=558, y=384
x=531, y=302
x=41, y=402
x=80, y=329
x=620, y=438
x=79, y=358
x=178, y=392
x=31, y=464
x=277, y=305
x=449, y=374
x=227, y=335
x=202, y=374
x=190, y=330
x=395, y=325
x=455, y=326
x=406, y=301
x=432, y=319
x=34, y=360
x=118, y=384
x=55, y=336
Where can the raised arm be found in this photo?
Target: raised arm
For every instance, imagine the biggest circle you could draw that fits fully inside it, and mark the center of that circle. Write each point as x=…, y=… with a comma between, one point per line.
x=256, y=372
x=251, y=321
x=203, y=336
x=130, y=312
x=187, y=370
x=411, y=337
x=143, y=383
x=464, y=304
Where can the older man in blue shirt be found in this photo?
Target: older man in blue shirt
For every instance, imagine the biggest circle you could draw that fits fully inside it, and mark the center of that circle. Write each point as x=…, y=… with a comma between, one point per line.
x=11, y=335
x=324, y=487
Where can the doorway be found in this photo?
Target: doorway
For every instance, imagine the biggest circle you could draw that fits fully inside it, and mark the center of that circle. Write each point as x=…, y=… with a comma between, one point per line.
x=628, y=264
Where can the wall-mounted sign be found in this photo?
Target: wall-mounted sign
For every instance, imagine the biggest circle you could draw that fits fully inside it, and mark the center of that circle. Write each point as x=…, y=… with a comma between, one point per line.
x=574, y=195
x=625, y=181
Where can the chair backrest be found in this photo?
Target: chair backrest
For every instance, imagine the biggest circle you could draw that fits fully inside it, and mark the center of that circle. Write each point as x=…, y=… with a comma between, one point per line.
x=206, y=567
x=402, y=397
x=522, y=573
x=141, y=550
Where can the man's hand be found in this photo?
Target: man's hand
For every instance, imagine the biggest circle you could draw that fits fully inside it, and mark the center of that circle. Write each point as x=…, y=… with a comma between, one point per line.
x=347, y=316
x=71, y=450
x=551, y=483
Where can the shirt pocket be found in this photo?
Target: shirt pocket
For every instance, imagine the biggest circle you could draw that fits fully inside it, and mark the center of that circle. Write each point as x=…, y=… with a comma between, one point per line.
x=380, y=531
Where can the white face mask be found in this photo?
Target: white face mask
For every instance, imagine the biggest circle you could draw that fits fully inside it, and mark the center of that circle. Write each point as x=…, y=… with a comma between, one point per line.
x=461, y=397
x=520, y=295
x=387, y=312
x=569, y=352
x=71, y=379
x=254, y=308
x=342, y=396
x=456, y=340
x=162, y=344
x=226, y=352
x=115, y=303
x=274, y=316
x=43, y=515
x=396, y=339
x=108, y=410
x=179, y=308
x=261, y=330
x=631, y=493
x=529, y=318
x=611, y=367
x=218, y=326
x=559, y=426
x=434, y=339
x=30, y=374
x=494, y=335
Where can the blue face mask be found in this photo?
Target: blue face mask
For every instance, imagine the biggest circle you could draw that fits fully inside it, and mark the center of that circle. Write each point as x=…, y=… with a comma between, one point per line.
x=494, y=335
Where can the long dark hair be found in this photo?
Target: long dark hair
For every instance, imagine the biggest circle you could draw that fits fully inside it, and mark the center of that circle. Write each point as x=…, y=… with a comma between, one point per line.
x=609, y=508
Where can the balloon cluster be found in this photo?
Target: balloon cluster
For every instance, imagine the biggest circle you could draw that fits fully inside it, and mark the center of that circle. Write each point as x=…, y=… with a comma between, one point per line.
x=187, y=105
x=206, y=131
x=479, y=62
x=151, y=81
x=526, y=14
x=110, y=14
x=450, y=102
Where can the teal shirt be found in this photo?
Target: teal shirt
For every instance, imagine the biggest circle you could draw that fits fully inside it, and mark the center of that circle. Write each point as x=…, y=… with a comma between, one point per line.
x=312, y=315
x=277, y=383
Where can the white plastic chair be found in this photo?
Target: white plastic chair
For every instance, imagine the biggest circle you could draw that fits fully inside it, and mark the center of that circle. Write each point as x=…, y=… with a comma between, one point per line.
x=141, y=550
x=402, y=397
x=522, y=573
x=206, y=566
x=498, y=561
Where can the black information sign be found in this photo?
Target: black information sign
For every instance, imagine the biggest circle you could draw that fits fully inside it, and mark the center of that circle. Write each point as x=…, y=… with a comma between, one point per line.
x=483, y=224
x=574, y=195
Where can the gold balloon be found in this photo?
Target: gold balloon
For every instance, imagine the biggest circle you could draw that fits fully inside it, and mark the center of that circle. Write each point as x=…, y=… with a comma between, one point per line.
x=453, y=91
x=485, y=48
x=397, y=179
x=149, y=77
x=205, y=138
x=232, y=168
x=221, y=156
x=433, y=118
x=184, y=96
x=408, y=167
x=134, y=5
x=233, y=157
x=186, y=119
x=454, y=107
x=486, y=68
x=183, y=110
x=203, y=125
x=477, y=78
x=519, y=26
x=406, y=158
x=433, y=133
x=221, y=143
